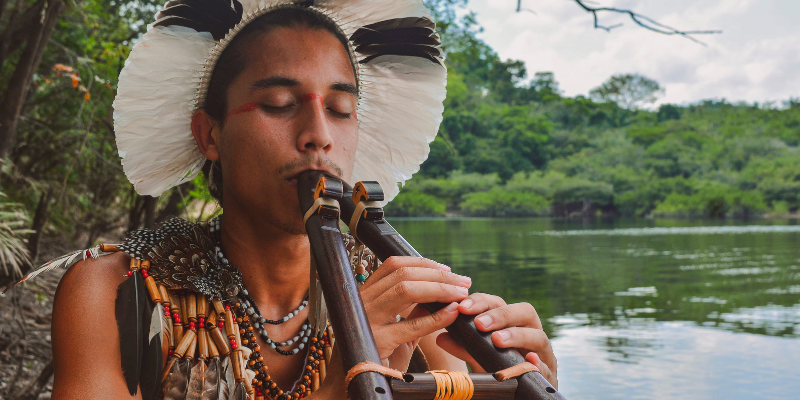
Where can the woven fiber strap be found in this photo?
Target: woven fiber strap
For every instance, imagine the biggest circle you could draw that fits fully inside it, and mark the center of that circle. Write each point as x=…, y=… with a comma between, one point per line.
x=452, y=385
x=320, y=201
x=362, y=205
x=515, y=371
x=369, y=366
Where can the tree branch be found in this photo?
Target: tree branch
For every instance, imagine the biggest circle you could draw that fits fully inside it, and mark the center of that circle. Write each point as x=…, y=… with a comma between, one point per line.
x=641, y=20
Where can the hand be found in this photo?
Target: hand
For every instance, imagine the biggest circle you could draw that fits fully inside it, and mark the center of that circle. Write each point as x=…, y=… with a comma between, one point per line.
x=514, y=325
x=396, y=288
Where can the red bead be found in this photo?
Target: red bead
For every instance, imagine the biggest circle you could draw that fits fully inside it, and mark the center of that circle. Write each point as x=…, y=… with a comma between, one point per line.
x=170, y=352
x=233, y=341
x=166, y=314
x=177, y=320
x=174, y=315
x=191, y=326
x=166, y=308
x=234, y=346
x=145, y=274
x=221, y=324
x=202, y=320
x=227, y=307
x=202, y=325
x=88, y=254
x=130, y=273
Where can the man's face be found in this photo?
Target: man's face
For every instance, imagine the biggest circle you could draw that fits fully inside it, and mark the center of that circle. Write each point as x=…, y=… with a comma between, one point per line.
x=290, y=110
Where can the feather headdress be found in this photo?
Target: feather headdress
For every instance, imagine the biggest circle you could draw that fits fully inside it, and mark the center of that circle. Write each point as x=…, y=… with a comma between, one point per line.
x=393, y=45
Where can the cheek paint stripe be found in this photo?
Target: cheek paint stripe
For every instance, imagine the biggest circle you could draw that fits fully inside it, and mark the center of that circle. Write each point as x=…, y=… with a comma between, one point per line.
x=354, y=115
x=243, y=108
x=311, y=97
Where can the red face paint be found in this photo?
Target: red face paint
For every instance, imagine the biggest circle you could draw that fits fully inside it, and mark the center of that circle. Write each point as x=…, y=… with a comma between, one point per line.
x=312, y=97
x=243, y=108
x=354, y=115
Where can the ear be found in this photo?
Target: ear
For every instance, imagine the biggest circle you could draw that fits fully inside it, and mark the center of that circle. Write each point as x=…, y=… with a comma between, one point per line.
x=206, y=133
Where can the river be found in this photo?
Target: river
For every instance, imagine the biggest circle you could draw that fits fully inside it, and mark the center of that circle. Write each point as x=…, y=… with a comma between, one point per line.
x=643, y=308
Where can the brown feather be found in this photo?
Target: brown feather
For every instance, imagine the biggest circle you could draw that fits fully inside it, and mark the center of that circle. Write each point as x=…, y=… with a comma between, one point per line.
x=176, y=382
x=212, y=380
x=196, y=381
x=240, y=393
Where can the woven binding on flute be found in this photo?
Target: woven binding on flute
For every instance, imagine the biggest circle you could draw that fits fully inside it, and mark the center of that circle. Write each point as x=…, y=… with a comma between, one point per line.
x=515, y=371
x=369, y=366
x=452, y=385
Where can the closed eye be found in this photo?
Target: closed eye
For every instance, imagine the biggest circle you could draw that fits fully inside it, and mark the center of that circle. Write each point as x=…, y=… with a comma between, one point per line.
x=277, y=109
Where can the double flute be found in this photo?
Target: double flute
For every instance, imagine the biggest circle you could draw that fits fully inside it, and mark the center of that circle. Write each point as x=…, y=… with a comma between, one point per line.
x=325, y=199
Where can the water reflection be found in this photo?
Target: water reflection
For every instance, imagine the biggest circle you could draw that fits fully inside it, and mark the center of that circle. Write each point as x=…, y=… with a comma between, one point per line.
x=663, y=305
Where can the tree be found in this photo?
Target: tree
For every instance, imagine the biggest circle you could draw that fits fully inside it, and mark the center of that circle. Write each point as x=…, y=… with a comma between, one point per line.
x=629, y=91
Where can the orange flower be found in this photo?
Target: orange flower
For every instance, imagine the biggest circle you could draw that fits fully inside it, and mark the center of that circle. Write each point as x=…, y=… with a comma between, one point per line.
x=87, y=96
x=75, y=80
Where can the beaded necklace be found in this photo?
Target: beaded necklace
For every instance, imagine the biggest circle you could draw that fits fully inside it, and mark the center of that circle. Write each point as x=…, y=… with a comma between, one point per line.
x=250, y=321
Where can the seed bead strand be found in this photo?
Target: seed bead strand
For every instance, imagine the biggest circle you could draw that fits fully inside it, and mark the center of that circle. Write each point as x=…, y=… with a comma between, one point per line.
x=262, y=382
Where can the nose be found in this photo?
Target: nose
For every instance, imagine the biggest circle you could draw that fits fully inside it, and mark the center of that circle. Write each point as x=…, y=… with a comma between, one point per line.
x=314, y=133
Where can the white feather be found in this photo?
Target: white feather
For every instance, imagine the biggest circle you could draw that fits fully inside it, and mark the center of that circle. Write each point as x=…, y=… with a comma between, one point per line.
x=399, y=111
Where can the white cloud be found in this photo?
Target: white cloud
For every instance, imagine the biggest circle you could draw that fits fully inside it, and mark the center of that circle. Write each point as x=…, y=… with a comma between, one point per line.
x=754, y=59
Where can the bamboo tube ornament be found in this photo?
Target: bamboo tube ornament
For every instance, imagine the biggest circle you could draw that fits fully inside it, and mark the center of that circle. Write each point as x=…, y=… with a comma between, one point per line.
x=183, y=346
x=218, y=307
x=216, y=335
x=183, y=311
x=192, y=348
x=191, y=307
x=213, y=352
x=165, y=299
x=202, y=343
x=109, y=248
x=150, y=283
x=202, y=306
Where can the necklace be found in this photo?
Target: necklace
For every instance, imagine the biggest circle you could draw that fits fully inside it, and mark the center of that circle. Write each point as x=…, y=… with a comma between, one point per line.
x=258, y=324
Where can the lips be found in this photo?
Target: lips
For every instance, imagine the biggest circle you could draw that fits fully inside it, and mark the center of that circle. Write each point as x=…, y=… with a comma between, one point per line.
x=292, y=180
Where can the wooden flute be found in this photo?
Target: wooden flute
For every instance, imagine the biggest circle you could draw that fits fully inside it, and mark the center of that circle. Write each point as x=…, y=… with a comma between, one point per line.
x=339, y=289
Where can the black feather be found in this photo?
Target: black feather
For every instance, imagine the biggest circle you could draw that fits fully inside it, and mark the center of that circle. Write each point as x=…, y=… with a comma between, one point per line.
x=131, y=299
x=214, y=16
x=150, y=379
x=412, y=37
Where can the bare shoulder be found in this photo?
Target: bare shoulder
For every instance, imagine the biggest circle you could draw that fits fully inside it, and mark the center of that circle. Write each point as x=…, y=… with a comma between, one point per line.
x=84, y=331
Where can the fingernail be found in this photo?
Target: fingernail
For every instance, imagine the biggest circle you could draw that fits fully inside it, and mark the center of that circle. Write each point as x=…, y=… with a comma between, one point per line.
x=485, y=320
x=467, y=303
x=465, y=279
x=504, y=335
x=446, y=267
x=463, y=290
x=452, y=307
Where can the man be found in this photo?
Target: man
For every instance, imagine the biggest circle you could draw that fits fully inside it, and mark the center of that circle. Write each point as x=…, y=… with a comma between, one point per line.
x=282, y=95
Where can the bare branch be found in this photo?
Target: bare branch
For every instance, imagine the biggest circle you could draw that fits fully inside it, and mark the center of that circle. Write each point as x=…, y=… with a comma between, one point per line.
x=641, y=20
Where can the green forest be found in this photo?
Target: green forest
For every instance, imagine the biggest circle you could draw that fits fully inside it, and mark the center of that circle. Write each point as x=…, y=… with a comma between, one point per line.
x=510, y=143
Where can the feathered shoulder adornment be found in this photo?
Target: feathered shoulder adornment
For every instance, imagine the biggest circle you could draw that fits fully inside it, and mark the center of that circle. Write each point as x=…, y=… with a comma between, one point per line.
x=183, y=255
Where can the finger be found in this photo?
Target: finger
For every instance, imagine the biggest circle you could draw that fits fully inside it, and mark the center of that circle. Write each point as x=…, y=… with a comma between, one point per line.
x=519, y=314
x=395, y=262
x=544, y=369
x=448, y=344
x=412, y=329
x=526, y=339
x=477, y=303
x=404, y=294
x=406, y=273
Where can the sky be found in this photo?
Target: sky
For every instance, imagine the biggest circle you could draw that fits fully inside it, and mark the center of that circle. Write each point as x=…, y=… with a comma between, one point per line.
x=756, y=58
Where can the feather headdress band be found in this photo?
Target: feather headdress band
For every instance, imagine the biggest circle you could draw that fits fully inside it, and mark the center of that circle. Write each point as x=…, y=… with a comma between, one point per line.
x=394, y=48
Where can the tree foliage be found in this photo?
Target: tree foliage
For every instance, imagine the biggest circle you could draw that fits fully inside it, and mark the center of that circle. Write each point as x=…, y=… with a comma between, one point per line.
x=629, y=91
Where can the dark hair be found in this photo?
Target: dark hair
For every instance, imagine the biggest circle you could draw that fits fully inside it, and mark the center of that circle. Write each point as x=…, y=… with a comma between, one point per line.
x=233, y=60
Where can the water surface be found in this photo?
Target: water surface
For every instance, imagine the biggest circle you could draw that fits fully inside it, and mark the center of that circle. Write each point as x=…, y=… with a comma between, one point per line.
x=643, y=309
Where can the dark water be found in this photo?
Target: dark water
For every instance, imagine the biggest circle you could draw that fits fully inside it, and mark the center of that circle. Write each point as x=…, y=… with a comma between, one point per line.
x=643, y=309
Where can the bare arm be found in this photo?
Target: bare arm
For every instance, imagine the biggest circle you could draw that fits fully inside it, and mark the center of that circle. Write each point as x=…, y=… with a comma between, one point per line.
x=84, y=331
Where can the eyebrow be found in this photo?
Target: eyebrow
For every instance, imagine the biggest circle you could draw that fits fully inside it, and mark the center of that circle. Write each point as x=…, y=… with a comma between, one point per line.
x=273, y=81
x=345, y=87
x=284, y=81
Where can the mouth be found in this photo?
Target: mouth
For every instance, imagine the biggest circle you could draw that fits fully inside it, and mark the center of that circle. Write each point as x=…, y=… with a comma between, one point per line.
x=292, y=180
